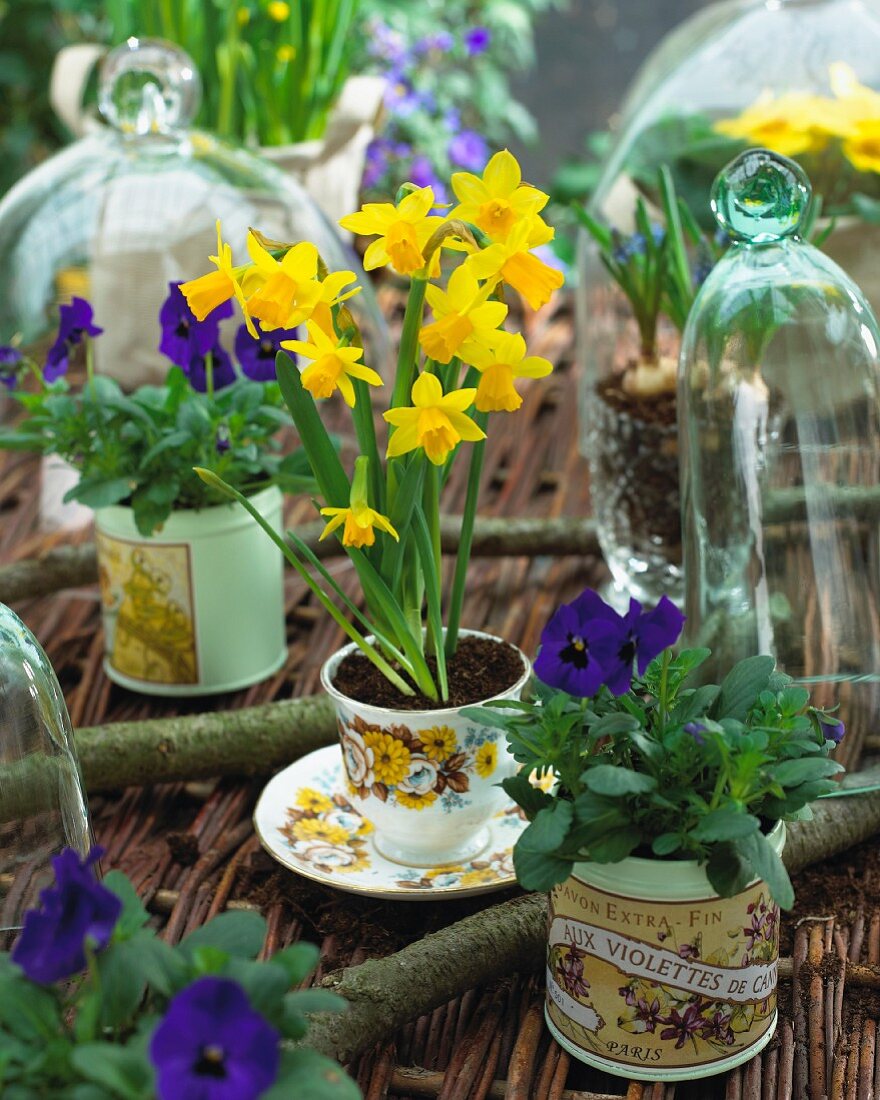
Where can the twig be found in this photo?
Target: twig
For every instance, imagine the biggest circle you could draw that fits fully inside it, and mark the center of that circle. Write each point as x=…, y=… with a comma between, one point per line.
x=415, y=1081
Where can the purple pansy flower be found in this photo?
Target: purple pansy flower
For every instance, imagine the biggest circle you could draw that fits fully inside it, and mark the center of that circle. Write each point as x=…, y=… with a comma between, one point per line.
x=476, y=40
x=469, y=150
x=257, y=357
x=75, y=911
x=637, y=636
x=74, y=326
x=183, y=336
x=834, y=730
x=10, y=361
x=223, y=371
x=222, y=441
x=655, y=631
x=212, y=1045
x=567, y=659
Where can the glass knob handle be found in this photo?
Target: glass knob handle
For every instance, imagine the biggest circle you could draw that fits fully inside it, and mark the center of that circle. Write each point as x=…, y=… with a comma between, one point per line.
x=761, y=197
x=149, y=86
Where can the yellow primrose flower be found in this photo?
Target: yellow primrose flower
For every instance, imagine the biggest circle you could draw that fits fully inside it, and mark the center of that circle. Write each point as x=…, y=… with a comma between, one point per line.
x=463, y=319
x=391, y=758
x=403, y=231
x=204, y=294
x=862, y=148
x=499, y=200
x=499, y=367
x=512, y=261
x=278, y=10
x=332, y=365
x=788, y=124
x=289, y=290
x=437, y=421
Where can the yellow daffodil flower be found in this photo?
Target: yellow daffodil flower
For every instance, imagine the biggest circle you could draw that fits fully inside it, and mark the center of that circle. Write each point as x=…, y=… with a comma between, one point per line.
x=290, y=290
x=788, y=124
x=499, y=200
x=500, y=366
x=333, y=366
x=862, y=148
x=403, y=231
x=856, y=102
x=437, y=422
x=243, y=15
x=278, y=10
x=359, y=518
x=512, y=261
x=463, y=319
x=204, y=294
x=285, y=54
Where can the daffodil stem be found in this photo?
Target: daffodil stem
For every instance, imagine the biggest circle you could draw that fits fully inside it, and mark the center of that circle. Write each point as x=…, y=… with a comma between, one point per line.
x=462, y=560
x=409, y=344
x=432, y=515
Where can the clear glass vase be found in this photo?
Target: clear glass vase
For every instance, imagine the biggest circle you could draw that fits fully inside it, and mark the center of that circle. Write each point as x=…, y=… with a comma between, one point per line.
x=779, y=402
x=800, y=77
x=43, y=807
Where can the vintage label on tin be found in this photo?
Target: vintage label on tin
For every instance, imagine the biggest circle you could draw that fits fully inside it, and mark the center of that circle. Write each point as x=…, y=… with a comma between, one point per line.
x=661, y=984
x=149, y=620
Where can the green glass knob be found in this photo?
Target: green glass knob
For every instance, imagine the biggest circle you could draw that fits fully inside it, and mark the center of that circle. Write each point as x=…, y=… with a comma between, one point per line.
x=761, y=197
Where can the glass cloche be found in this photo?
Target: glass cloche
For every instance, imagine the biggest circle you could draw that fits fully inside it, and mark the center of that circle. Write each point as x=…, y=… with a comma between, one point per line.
x=779, y=406
x=133, y=205
x=43, y=807
x=801, y=77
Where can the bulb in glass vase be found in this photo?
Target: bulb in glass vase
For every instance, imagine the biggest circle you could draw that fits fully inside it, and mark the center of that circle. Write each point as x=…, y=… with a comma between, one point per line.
x=779, y=412
x=43, y=807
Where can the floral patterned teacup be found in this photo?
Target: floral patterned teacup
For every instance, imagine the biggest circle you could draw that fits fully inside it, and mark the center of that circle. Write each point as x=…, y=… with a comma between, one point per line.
x=428, y=781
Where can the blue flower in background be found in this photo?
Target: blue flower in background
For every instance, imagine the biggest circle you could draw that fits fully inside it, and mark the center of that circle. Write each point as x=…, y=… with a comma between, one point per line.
x=469, y=150
x=10, y=362
x=212, y=1045
x=442, y=42
x=477, y=40
x=76, y=911
x=75, y=326
x=422, y=174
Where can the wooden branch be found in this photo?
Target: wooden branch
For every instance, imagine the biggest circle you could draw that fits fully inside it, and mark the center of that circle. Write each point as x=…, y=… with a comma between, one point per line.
x=77, y=566
x=415, y=1081
x=384, y=994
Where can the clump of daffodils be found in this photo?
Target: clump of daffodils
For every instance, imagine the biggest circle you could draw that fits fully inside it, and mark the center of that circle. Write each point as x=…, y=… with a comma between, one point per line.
x=458, y=363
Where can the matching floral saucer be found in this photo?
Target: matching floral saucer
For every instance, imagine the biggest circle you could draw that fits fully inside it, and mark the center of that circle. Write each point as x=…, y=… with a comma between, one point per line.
x=305, y=820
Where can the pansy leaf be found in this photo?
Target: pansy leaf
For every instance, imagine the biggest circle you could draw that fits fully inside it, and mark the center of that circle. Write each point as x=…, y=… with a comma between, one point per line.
x=615, y=782
x=123, y=1071
x=727, y=870
x=238, y=932
x=100, y=492
x=264, y=982
x=298, y=960
x=133, y=916
x=532, y=799
x=791, y=773
x=616, y=845
x=724, y=824
x=305, y=1073
x=742, y=685
x=538, y=870
x=550, y=827
x=767, y=865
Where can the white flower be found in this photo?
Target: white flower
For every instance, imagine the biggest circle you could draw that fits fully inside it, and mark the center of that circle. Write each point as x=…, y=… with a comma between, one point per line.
x=358, y=759
x=328, y=855
x=421, y=777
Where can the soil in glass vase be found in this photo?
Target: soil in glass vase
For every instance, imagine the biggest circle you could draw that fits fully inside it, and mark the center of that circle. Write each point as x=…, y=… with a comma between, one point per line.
x=633, y=330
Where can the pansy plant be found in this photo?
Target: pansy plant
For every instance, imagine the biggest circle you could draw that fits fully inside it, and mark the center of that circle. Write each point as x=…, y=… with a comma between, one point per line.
x=642, y=758
x=457, y=366
x=93, y=1004
x=140, y=448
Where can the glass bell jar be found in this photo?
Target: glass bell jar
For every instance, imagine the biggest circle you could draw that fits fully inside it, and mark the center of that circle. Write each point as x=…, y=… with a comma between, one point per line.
x=134, y=204
x=779, y=404
x=43, y=807
x=801, y=77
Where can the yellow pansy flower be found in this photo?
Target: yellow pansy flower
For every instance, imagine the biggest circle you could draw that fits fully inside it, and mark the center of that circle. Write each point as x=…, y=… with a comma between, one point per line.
x=359, y=522
x=437, y=422
x=498, y=200
x=403, y=231
x=485, y=759
x=439, y=741
x=204, y=294
x=512, y=261
x=464, y=320
x=278, y=10
x=499, y=366
x=332, y=365
x=789, y=124
x=289, y=290
x=391, y=757
x=415, y=800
